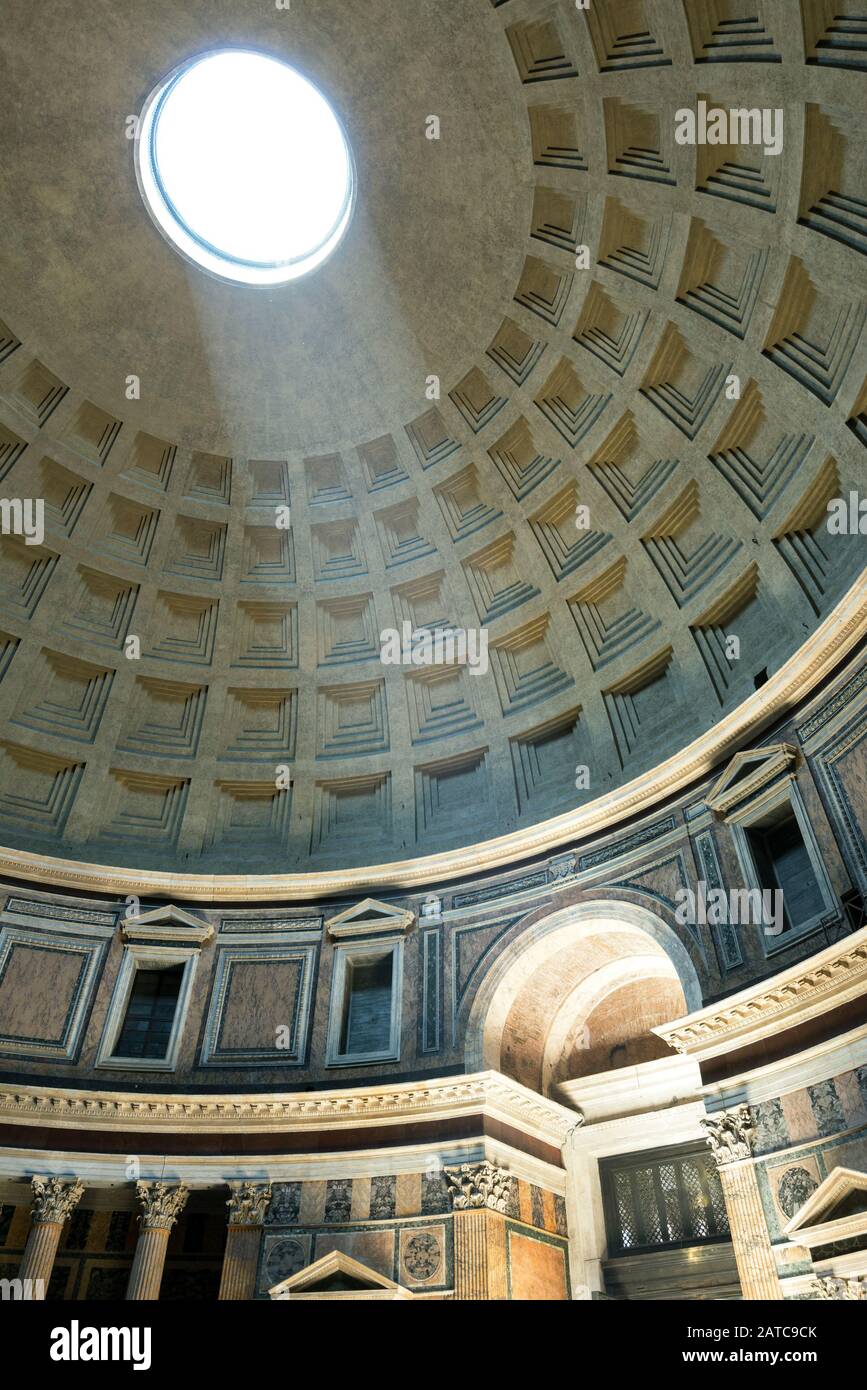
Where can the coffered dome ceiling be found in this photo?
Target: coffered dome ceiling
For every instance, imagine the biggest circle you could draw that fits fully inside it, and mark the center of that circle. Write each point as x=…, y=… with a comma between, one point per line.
x=607, y=388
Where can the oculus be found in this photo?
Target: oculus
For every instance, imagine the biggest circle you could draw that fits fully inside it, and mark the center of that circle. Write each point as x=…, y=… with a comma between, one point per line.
x=245, y=167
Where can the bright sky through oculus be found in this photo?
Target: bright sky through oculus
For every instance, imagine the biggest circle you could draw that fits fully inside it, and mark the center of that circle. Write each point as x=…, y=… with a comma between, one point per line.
x=246, y=168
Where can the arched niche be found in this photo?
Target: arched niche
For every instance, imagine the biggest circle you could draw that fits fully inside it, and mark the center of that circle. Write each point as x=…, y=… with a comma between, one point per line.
x=579, y=992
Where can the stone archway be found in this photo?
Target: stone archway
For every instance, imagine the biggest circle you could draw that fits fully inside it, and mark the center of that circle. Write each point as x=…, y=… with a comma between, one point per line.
x=579, y=992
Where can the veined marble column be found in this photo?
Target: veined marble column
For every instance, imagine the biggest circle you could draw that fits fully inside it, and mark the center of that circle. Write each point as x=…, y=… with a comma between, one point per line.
x=482, y=1196
x=729, y=1136
x=247, y=1205
x=53, y=1201
x=161, y=1206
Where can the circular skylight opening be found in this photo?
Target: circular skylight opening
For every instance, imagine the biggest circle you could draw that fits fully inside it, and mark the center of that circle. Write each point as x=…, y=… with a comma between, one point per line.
x=245, y=167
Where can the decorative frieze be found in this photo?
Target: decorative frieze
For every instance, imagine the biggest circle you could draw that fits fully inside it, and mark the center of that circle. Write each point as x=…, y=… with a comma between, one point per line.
x=508, y=889
x=264, y=925
x=618, y=848
x=486, y=1093
x=845, y=699
x=56, y=912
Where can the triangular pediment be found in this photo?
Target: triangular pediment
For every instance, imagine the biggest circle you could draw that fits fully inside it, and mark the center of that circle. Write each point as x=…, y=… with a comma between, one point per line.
x=338, y=1276
x=748, y=773
x=168, y=923
x=837, y=1210
x=368, y=918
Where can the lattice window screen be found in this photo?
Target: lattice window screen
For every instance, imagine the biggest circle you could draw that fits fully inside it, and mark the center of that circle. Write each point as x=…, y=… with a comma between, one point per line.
x=662, y=1199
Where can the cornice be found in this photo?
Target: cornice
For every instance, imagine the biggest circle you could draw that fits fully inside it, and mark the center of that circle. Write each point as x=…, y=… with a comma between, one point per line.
x=815, y=661
x=485, y=1093
x=813, y=986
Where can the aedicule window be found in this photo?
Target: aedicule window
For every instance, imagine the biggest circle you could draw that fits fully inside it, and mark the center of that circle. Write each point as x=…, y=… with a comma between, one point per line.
x=783, y=862
x=778, y=852
x=364, y=1024
x=150, y=1013
x=149, y=1002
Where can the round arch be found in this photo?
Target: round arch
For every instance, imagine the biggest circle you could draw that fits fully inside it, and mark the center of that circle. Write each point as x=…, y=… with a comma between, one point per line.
x=554, y=981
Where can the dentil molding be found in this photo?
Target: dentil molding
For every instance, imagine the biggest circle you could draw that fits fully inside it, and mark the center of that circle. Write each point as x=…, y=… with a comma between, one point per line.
x=813, y=986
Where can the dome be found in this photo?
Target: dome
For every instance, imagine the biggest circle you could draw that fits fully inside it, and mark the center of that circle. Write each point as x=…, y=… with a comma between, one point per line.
x=433, y=682
x=570, y=390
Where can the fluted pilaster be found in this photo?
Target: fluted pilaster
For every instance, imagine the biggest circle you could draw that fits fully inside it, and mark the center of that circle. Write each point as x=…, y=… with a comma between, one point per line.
x=729, y=1135
x=481, y=1196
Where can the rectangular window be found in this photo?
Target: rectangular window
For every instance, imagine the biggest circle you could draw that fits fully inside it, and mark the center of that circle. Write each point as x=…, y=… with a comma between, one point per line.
x=148, y=1009
x=778, y=853
x=783, y=862
x=150, y=1013
x=364, y=1020
x=366, y=1025
x=662, y=1200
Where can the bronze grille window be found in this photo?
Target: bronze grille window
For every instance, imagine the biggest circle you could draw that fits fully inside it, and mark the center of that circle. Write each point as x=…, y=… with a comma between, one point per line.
x=662, y=1200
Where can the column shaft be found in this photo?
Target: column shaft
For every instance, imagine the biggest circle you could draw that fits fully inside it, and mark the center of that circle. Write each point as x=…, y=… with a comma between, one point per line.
x=147, y=1267
x=239, y=1263
x=39, y=1253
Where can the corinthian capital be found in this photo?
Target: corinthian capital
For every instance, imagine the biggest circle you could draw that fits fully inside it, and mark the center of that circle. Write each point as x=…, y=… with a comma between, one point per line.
x=475, y=1185
x=849, y=1289
x=54, y=1199
x=161, y=1204
x=248, y=1203
x=729, y=1134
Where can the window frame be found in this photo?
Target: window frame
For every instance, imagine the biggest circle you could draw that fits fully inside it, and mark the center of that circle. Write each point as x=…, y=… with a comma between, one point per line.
x=784, y=795
x=143, y=957
x=345, y=956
